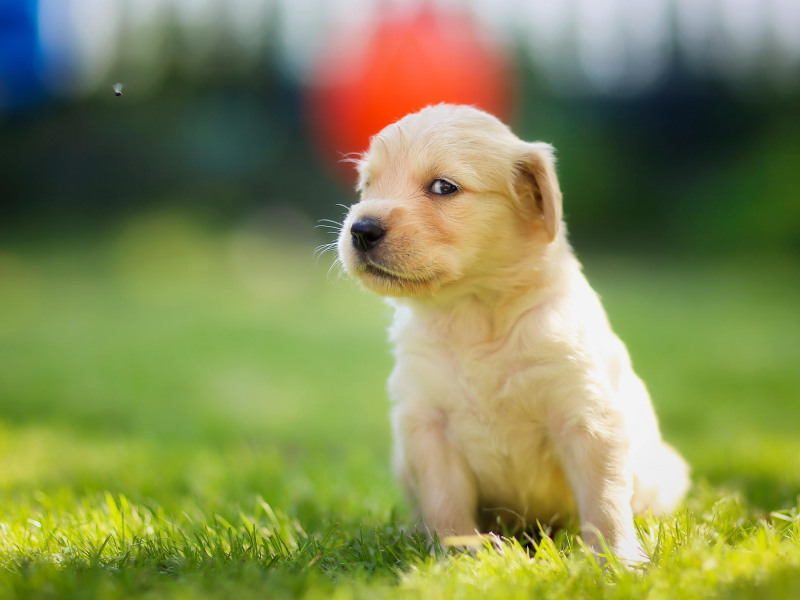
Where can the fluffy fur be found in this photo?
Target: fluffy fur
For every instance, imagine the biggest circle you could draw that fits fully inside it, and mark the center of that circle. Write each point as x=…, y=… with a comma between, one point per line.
x=513, y=398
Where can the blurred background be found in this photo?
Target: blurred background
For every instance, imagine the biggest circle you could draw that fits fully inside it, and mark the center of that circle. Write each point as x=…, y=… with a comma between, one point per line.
x=677, y=121
x=159, y=299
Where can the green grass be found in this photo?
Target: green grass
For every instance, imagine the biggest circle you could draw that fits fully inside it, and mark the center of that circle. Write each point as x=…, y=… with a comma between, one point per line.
x=195, y=414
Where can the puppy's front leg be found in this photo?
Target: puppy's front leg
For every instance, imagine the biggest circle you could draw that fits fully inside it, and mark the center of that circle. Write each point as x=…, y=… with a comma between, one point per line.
x=435, y=473
x=593, y=454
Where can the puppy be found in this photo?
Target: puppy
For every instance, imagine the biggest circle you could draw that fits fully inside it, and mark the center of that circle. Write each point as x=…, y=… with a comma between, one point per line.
x=513, y=398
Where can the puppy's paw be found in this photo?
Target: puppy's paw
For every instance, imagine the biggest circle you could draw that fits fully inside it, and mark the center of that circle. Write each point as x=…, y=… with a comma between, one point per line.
x=473, y=544
x=629, y=552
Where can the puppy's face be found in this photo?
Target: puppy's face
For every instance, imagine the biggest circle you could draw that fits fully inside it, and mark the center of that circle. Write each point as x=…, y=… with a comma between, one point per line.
x=449, y=197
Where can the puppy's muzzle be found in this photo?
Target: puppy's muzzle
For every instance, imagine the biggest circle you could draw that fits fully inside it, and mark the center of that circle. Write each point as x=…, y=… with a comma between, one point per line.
x=366, y=234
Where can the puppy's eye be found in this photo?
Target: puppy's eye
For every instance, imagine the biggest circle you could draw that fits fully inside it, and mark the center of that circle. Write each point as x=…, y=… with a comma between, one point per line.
x=442, y=187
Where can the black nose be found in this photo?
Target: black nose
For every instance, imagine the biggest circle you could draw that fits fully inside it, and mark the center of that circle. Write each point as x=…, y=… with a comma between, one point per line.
x=366, y=233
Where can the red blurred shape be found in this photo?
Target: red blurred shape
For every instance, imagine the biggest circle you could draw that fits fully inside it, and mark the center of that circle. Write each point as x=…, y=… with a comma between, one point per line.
x=404, y=64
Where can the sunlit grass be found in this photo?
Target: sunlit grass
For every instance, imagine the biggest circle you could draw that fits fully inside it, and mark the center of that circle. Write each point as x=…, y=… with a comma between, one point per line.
x=190, y=413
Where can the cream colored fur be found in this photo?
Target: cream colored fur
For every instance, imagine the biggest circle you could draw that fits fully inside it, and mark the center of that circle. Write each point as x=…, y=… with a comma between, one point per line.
x=513, y=398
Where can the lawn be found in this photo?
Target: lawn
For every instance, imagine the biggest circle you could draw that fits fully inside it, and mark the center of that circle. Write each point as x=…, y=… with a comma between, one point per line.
x=188, y=412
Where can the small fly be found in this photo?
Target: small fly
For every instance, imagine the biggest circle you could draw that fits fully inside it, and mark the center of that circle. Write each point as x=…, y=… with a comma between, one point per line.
x=117, y=87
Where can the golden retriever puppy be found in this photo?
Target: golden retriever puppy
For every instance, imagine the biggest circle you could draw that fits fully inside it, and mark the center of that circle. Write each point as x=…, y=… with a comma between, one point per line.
x=513, y=398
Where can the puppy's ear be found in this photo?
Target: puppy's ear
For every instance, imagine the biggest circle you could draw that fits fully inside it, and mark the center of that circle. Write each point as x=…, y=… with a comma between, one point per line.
x=537, y=182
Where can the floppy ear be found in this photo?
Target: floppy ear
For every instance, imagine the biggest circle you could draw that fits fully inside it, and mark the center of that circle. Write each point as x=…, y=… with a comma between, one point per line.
x=537, y=180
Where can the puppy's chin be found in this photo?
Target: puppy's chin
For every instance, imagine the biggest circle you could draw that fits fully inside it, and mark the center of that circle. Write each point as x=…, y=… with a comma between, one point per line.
x=390, y=282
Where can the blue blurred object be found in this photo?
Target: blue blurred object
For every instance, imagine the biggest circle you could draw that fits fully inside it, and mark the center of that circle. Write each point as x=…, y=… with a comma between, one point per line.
x=20, y=54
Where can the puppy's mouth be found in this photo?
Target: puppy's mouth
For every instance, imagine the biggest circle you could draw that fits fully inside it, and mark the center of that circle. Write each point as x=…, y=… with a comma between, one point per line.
x=388, y=275
x=382, y=272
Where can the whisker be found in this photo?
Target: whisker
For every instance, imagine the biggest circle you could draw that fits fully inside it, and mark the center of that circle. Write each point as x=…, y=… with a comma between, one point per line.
x=329, y=221
x=351, y=157
x=337, y=264
x=322, y=249
x=328, y=245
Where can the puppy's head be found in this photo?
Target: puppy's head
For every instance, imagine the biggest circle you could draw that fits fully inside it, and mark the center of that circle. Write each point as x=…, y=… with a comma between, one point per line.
x=449, y=198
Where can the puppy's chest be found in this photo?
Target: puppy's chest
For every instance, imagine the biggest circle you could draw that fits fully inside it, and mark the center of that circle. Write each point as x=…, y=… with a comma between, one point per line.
x=494, y=401
x=497, y=419
x=490, y=396
x=493, y=404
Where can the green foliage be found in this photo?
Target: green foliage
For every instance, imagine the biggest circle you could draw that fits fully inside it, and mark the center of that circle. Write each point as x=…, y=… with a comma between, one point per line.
x=192, y=414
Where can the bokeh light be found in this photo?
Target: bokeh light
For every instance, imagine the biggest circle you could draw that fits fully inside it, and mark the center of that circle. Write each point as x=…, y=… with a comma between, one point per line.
x=404, y=62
